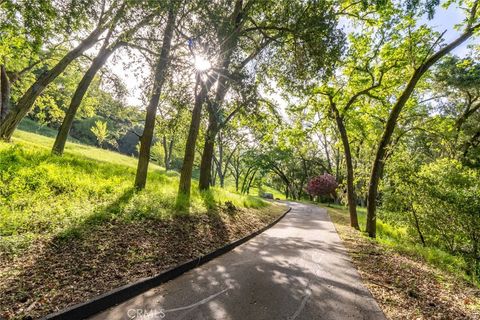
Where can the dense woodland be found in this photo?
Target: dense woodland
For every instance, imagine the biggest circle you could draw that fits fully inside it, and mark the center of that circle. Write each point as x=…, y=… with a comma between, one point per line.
x=245, y=94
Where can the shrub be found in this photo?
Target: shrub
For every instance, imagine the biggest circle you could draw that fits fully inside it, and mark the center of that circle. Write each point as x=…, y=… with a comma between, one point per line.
x=322, y=185
x=441, y=204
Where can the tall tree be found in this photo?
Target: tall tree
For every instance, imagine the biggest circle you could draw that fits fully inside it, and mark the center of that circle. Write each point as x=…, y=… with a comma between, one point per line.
x=203, y=83
x=107, y=49
x=293, y=25
x=228, y=34
x=472, y=25
x=160, y=75
x=360, y=76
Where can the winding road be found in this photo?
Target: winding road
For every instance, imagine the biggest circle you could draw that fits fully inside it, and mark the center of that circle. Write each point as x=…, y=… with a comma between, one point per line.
x=298, y=269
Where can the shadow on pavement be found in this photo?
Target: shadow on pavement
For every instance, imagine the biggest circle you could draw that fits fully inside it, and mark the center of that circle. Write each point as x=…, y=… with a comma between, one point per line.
x=296, y=270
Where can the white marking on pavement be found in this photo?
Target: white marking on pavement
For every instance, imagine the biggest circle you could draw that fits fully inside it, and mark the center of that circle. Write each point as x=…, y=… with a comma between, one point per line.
x=198, y=303
x=302, y=305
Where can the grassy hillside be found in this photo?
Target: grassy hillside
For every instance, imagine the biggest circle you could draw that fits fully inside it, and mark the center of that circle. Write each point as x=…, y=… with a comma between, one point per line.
x=31, y=126
x=44, y=194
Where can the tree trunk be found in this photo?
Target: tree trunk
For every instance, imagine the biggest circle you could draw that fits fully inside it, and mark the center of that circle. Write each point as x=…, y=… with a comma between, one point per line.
x=244, y=183
x=160, y=74
x=351, y=196
x=207, y=155
x=189, y=157
x=212, y=130
x=221, y=175
x=220, y=172
x=327, y=153
x=167, y=150
x=229, y=36
x=25, y=103
x=170, y=152
x=236, y=172
x=214, y=174
x=250, y=181
x=97, y=64
x=4, y=92
x=417, y=226
x=286, y=181
x=379, y=162
x=337, y=165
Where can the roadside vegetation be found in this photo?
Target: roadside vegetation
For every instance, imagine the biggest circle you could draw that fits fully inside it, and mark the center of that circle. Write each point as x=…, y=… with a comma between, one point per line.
x=408, y=280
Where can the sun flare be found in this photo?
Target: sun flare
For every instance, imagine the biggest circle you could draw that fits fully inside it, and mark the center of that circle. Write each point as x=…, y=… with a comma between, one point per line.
x=201, y=63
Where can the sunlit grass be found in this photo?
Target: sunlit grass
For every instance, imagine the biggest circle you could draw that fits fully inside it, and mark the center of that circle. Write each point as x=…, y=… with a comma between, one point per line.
x=230, y=186
x=40, y=142
x=44, y=194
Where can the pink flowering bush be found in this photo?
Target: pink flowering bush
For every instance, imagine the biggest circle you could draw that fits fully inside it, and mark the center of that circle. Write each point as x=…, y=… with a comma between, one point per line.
x=322, y=185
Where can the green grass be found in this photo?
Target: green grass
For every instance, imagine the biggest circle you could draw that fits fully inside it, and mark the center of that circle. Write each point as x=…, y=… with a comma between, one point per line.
x=39, y=142
x=45, y=195
x=398, y=239
x=29, y=125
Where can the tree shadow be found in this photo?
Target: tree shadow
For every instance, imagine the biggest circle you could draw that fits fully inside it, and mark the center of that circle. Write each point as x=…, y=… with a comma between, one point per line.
x=209, y=200
x=215, y=218
x=182, y=204
x=106, y=251
x=61, y=262
x=99, y=216
x=280, y=274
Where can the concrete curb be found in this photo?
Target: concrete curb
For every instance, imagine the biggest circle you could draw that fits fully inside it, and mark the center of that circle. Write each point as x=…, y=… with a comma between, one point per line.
x=121, y=294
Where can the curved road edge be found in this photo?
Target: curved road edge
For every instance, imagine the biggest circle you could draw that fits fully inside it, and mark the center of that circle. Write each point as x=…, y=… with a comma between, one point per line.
x=124, y=293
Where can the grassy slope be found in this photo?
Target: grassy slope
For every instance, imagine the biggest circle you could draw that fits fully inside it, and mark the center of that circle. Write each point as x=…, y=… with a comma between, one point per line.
x=409, y=281
x=397, y=239
x=29, y=125
x=72, y=227
x=44, y=194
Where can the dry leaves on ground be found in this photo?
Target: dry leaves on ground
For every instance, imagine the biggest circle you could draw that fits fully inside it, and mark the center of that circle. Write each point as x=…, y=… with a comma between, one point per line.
x=406, y=288
x=54, y=274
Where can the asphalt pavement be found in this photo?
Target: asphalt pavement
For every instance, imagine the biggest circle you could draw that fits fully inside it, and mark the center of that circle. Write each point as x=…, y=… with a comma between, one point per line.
x=298, y=269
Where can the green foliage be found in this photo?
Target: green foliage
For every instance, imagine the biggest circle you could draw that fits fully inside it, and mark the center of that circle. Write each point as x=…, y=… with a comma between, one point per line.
x=35, y=127
x=440, y=202
x=100, y=131
x=328, y=75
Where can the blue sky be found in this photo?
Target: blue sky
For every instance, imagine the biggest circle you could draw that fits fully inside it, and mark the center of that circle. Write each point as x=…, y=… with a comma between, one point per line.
x=446, y=19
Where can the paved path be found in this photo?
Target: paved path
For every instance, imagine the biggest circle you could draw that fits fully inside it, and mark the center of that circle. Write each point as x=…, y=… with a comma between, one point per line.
x=298, y=269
